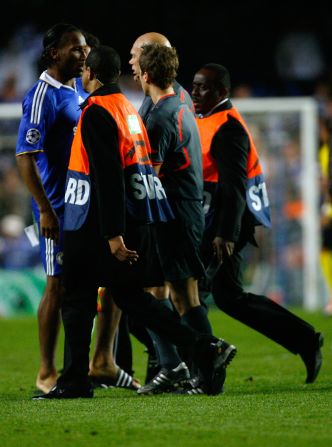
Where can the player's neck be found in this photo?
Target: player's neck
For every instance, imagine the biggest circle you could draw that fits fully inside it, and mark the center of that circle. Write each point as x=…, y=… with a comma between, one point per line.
x=157, y=93
x=52, y=71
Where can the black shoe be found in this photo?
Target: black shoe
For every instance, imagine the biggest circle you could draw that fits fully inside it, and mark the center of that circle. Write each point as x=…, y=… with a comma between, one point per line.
x=313, y=358
x=212, y=364
x=191, y=391
x=192, y=387
x=59, y=392
x=166, y=380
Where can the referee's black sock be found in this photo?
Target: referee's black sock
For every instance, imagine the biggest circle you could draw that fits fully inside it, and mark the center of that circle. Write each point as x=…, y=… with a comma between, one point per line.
x=167, y=352
x=197, y=319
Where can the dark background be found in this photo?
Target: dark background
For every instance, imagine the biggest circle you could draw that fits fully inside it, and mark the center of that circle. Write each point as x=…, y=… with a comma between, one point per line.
x=240, y=35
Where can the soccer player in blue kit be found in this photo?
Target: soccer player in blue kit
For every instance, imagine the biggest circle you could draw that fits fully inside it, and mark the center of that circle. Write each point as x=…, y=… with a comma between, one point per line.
x=50, y=115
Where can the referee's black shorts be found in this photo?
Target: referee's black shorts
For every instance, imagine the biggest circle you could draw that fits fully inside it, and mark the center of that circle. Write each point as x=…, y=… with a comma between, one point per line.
x=179, y=242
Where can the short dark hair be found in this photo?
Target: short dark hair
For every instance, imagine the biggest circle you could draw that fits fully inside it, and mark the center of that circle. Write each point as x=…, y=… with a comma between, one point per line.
x=222, y=74
x=53, y=39
x=160, y=62
x=105, y=62
x=91, y=39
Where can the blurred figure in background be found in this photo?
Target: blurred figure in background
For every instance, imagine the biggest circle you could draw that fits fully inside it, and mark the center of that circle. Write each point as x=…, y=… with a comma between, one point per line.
x=22, y=50
x=299, y=60
x=326, y=209
x=9, y=89
x=14, y=198
x=16, y=251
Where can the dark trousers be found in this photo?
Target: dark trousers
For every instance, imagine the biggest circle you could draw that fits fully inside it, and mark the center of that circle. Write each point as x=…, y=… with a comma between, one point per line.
x=123, y=353
x=258, y=311
x=123, y=349
x=79, y=307
x=78, y=312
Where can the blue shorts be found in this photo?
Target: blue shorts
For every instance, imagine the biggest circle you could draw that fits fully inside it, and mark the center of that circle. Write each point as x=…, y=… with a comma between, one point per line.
x=51, y=254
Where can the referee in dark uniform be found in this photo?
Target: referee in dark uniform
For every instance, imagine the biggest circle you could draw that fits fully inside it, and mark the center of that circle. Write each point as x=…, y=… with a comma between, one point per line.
x=177, y=159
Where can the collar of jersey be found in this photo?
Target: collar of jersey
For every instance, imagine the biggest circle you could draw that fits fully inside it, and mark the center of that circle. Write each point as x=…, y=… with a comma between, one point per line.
x=53, y=82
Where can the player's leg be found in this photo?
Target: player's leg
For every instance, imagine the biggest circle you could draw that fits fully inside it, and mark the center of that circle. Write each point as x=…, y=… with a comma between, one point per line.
x=48, y=328
x=49, y=312
x=104, y=370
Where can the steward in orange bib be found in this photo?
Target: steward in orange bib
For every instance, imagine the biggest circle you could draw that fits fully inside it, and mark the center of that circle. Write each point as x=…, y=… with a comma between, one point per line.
x=235, y=202
x=210, y=128
x=145, y=198
x=113, y=200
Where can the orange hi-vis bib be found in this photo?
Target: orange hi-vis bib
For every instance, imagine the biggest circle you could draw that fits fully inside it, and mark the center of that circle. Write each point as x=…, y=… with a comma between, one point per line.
x=256, y=193
x=208, y=128
x=145, y=197
x=134, y=146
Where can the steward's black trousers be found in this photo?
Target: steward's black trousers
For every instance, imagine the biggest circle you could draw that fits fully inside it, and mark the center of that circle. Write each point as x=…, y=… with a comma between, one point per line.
x=258, y=311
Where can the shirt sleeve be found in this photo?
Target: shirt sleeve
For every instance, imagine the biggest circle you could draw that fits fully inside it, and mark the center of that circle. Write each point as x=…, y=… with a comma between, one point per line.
x=100, y=138
x=159, y=137
x=230, y=148
x=35, y=124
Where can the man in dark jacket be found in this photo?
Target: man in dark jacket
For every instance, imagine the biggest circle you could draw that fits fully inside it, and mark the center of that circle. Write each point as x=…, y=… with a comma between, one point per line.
x=236, y=201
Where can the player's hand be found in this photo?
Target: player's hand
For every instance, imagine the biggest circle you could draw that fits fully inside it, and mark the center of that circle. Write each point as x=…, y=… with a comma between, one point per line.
x=49, y=224
x=121, y=252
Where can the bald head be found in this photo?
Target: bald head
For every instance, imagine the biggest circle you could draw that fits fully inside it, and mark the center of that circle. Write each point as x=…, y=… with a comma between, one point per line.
x=149, y=38
x=136, y=50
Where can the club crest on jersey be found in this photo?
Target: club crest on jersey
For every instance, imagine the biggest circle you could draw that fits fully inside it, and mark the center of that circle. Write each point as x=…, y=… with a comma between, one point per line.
x=33, y=136
x=133, y=124
x=59, y=258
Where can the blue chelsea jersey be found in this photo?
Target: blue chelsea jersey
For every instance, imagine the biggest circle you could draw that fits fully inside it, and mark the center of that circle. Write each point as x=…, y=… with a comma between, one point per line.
x=50, y=115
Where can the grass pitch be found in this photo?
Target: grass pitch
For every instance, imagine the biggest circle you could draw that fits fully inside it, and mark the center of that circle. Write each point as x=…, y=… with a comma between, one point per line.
x=265, y=403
